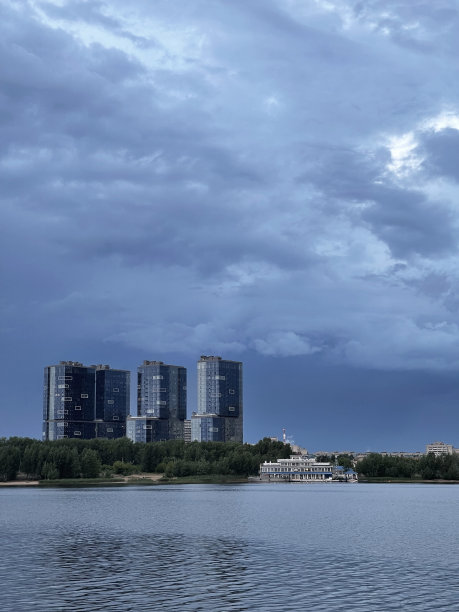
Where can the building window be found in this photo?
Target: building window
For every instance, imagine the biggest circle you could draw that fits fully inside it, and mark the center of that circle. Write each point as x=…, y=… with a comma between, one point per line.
x=77, y=407
x=231, y=391
x=84, y=396
x=109, y=429
x=157, y=377
x=65, y=377
x=161, y=402
x=231, y=408
x=66, y=399
x=110, y=401
x=62, y=386
x=116, y=418
x=116, y=390
x=77, y=433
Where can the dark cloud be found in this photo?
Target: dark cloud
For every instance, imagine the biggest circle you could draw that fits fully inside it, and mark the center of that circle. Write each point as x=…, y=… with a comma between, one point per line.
x=408, y=223
x=441, y=150
x=205, y=176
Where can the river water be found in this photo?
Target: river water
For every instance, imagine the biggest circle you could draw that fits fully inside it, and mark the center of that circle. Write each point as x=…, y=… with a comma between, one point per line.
x=283, y=547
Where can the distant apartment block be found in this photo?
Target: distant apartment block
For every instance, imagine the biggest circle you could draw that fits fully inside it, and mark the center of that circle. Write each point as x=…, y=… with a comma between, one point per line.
x=439, y=448
x=84, y=401
x=161, y=403
x=403, y=454
x=187, y=430
x=219, y=417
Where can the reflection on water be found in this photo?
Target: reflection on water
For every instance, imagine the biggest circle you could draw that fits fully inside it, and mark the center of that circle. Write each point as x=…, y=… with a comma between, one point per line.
x=145, y=549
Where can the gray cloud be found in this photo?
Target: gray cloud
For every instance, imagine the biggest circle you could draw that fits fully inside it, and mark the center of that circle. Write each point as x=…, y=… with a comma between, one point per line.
x=218, y=178
x=441, y=150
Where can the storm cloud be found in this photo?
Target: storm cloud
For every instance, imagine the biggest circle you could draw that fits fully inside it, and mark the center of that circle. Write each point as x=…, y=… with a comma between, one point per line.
x=255, y=177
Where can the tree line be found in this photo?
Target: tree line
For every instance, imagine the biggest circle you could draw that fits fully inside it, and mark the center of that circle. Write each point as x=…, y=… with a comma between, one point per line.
x=69, y=458
x=345, y=460
x=427, y=467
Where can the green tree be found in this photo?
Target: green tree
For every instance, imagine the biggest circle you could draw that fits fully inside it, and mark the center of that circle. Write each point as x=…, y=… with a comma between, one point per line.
x=153, y=454
x=66, y=460
x=10, y=459
x=90, y=463
x=124, y=468
x=30, y=462
x=49, y=471
x=346, y=461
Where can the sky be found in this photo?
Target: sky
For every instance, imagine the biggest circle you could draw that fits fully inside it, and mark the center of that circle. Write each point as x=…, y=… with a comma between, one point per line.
x=272, y=181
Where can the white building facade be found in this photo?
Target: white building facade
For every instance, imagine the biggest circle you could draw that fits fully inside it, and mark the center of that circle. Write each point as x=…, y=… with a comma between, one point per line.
x=304, y=469
x=439, y=448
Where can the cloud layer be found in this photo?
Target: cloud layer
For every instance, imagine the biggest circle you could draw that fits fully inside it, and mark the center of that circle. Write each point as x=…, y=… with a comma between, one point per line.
x=205, y=176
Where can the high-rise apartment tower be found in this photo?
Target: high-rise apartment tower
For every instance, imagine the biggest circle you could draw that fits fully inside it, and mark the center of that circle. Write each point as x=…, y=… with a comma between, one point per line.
x=161, y=403
x=84, y=401
x=220, y=407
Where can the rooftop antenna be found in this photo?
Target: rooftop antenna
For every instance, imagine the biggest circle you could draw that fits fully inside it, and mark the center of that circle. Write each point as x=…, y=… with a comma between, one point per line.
x=284, y=436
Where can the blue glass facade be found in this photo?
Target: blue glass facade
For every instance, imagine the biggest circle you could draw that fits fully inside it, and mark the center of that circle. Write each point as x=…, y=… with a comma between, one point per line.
x=111, y=429
x=219, y=396
x=112, y=401
x=55, y=430
x=161, y=403
x=84, y=401
x=144, y=429
x=207, y=428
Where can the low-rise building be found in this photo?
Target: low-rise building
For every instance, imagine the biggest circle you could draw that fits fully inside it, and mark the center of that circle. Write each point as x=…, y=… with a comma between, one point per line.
x=439, y=448
x=402, y=454
x=304, y=469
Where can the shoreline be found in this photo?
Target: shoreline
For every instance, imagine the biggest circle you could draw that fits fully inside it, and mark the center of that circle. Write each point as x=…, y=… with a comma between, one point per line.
x=159, y=479
x=385, y=480
x=133, y=480
x=20, y=483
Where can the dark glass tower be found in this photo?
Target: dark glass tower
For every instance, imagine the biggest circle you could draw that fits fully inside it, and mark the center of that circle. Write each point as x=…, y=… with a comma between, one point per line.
x=84, y=401
x=112, y=401
x=161, y=403
x=220, y=408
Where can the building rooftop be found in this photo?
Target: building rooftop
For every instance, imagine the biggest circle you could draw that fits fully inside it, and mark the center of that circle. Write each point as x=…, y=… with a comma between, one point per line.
x=205, y=358
x=147, y=362
x=78, y=364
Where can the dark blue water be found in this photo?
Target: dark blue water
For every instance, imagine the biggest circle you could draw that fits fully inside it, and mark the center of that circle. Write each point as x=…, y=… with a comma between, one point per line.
x=321, y=547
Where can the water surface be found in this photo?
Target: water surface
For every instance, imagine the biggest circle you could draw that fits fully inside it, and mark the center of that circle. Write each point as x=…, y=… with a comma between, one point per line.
x=321, y=547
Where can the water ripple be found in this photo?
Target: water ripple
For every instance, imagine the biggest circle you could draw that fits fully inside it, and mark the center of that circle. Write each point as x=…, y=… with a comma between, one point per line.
x=90, y=563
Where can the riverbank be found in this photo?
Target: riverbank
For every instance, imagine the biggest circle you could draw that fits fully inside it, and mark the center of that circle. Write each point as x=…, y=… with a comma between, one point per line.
x=20, y=483
x=206, y=479
x=386, y=480
x=155, y=479
x=134, y=479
